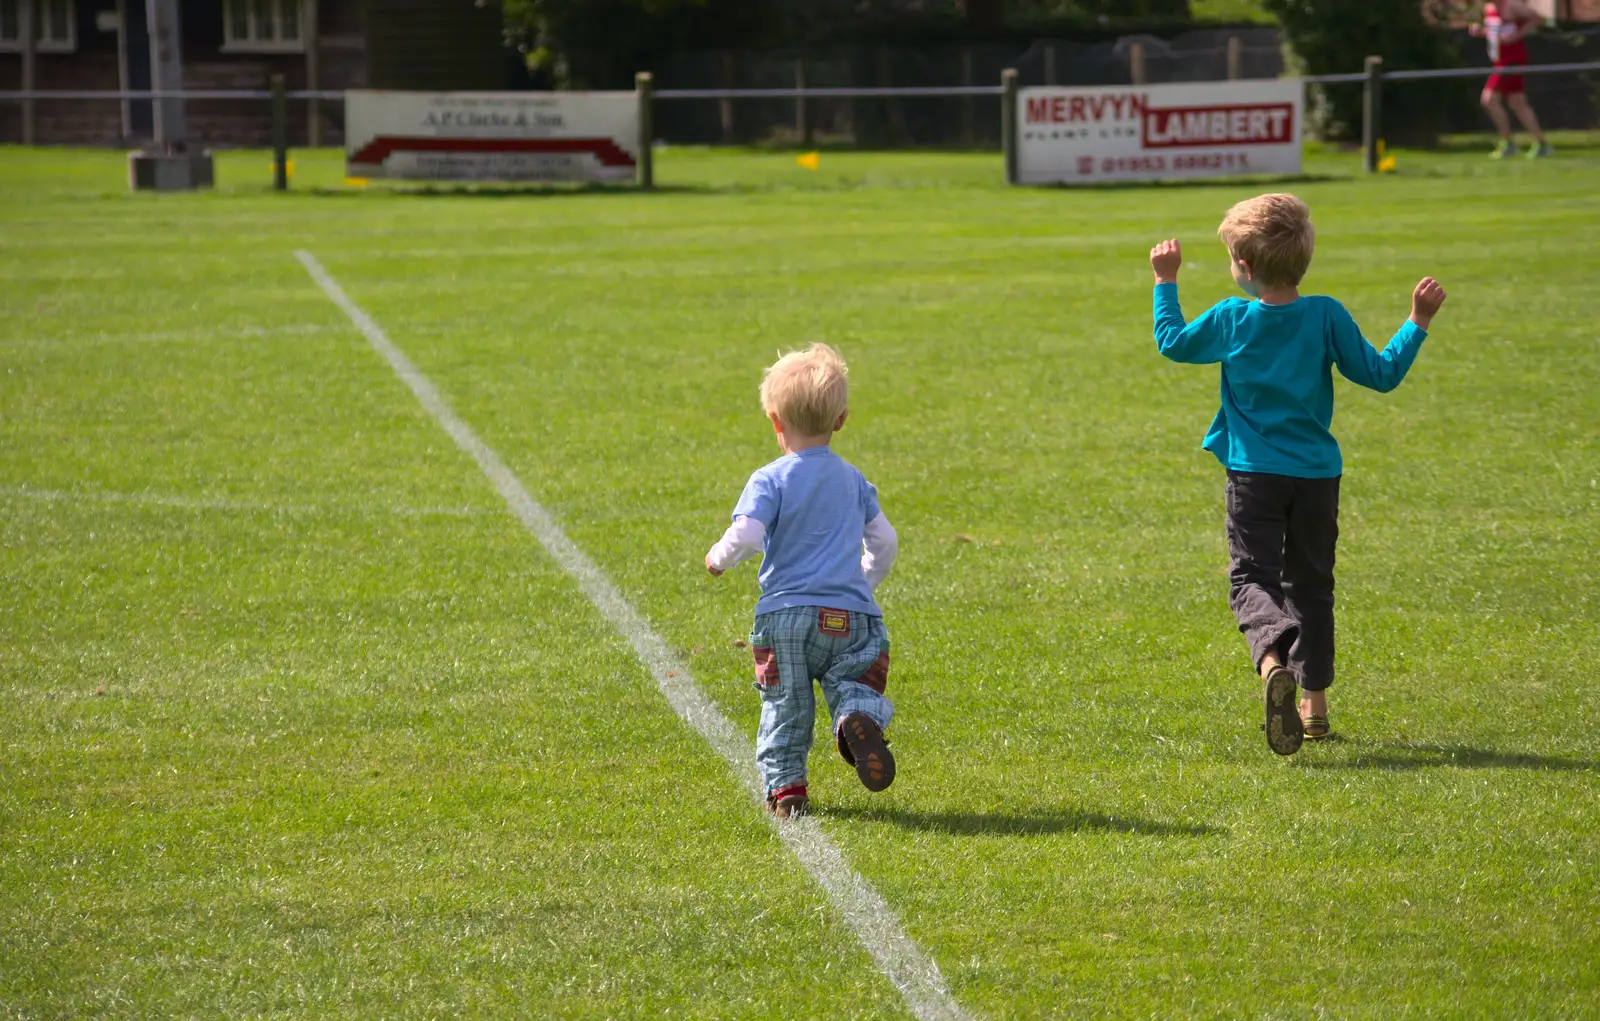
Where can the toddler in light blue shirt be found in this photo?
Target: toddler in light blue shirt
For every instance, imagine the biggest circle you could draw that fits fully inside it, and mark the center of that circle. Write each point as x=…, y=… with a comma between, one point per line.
x=826, y=546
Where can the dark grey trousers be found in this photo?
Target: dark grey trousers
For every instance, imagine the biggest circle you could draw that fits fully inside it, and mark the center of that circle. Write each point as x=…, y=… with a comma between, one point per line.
x=1281, y=534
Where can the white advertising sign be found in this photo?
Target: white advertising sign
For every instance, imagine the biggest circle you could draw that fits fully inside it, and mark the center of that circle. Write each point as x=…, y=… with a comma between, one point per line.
x=492, y=136
x=1149, y=132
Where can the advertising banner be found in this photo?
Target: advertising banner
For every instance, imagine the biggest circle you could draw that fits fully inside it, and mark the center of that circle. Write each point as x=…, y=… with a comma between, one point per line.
x=492, y=136
x=1150, y=132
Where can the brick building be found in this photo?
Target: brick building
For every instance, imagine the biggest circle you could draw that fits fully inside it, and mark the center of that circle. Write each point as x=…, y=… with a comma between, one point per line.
x=227, y=44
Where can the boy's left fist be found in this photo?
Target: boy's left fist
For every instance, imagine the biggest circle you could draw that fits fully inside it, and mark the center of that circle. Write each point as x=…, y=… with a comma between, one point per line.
x=713, y=571
x=1425, y=301
x=1166, y=259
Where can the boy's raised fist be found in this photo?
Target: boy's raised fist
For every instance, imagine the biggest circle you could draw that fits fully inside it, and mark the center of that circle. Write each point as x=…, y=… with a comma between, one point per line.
x=1425, y=301
x=1166, y=259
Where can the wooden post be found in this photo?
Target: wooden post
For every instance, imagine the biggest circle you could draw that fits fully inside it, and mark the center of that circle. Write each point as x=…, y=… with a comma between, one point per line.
x=899, y=134
x=966, y=101
x=849, y=119
x=726, y=105
x=1136, y=63
x=1235, y=58
x=1008, y=121
x=1372, y=114
x=280, y=136
x=25, y=26
x=802, y=118
x=644, y=86
x=313, y=40
x=1049, y=64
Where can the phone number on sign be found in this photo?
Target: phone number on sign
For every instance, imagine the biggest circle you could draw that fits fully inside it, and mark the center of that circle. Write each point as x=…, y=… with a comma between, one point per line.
x=1160, y=164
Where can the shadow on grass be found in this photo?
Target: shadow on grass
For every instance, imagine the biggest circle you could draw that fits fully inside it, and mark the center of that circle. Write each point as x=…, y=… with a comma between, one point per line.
x=1401, y=757
x=1031, y=824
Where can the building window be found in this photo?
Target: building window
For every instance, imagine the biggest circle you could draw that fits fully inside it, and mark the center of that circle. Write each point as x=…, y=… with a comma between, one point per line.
x=262, y=26
x=55, y=30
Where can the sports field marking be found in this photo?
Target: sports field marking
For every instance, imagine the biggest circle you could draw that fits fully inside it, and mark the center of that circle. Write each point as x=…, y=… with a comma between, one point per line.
x=148, y=499
x=863, y=908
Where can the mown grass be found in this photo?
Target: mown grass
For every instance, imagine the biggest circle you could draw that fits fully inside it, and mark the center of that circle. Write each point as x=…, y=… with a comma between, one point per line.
x=295, y=720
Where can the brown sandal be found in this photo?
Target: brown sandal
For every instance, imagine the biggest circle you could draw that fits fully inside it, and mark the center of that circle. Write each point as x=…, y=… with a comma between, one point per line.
x=1315, y=727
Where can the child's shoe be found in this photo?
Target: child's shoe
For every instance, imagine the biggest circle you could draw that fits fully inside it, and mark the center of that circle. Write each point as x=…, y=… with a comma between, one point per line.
x=1284, y=730
x=1503, y=151
x=1540, y=150
x=861, y=743
x=789, y=802
x=1315, y=727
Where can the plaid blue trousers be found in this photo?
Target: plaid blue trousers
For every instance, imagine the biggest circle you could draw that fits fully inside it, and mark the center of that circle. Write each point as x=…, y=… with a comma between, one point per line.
x=846, y=652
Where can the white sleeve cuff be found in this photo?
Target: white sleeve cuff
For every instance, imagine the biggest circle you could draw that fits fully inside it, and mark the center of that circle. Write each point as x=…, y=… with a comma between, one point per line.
x=881, y=547
x=744, y=539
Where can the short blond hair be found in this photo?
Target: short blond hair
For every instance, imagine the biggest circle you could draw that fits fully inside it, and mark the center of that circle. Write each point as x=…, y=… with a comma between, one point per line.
x=1272, y=233
x=807, y=390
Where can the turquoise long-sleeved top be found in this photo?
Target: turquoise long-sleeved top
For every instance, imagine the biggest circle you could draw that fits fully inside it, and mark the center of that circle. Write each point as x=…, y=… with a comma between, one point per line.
x=1277, y=378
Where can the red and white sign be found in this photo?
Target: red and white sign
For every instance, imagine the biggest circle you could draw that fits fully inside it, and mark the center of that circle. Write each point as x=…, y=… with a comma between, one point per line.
x=1149, y=132
x=492, y=136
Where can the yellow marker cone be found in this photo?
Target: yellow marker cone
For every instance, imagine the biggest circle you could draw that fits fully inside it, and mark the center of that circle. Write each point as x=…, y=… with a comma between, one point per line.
x=355, y=182
x=810, y=160
x=1386, y=163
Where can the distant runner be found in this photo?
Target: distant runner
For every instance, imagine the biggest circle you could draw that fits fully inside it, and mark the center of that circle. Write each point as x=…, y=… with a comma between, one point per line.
x=1505, y=25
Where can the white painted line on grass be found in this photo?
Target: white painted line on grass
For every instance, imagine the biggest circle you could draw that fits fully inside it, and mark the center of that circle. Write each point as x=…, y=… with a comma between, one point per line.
x=863, y=908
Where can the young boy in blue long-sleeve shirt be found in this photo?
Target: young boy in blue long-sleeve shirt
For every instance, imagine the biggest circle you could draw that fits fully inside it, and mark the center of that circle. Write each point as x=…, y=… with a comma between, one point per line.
x=825, y=546
x=1272, y=435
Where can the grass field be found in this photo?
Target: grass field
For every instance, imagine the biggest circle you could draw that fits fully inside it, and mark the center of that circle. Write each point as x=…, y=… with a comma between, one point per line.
x=296, y=720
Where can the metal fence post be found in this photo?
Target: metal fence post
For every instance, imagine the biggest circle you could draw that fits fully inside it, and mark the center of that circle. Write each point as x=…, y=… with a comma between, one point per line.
x=1235, y=58
x=1136, y=63
x=725, y=105
x=1008, y=121
x=802, y=118
x=644, y=85
x=966, y=101
x=1372, y=114
x=280, y=136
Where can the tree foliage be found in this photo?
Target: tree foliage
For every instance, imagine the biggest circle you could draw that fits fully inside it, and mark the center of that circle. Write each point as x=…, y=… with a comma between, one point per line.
x=1336, y=36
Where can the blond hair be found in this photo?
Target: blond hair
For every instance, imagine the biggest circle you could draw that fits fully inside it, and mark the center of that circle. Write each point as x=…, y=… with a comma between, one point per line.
x=1273, y=234
x=807, y=390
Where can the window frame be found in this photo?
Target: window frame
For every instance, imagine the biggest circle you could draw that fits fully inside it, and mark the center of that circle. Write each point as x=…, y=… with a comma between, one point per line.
x=42, y=43
x=232, y=42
